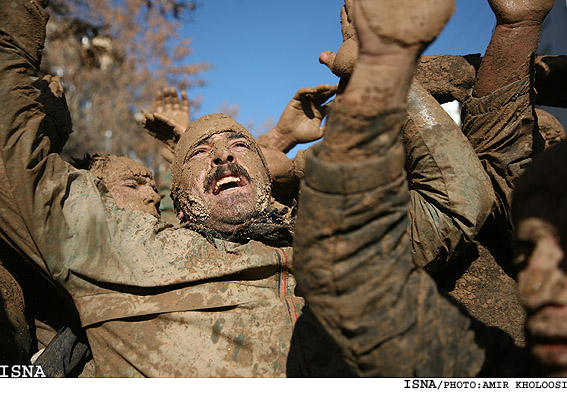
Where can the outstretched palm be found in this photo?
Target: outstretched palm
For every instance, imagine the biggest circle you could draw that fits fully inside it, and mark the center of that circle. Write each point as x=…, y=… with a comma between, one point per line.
x=170, y=119
x=301, y=119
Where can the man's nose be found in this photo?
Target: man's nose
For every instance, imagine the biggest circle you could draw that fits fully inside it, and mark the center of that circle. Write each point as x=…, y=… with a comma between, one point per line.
x=222, y=156
x=152, y=197
x=540, y=286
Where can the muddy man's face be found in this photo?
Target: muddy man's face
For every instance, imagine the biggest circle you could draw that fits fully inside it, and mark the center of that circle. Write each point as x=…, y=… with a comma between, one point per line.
x=130, y=184
x=542, y=287
x=226, y=182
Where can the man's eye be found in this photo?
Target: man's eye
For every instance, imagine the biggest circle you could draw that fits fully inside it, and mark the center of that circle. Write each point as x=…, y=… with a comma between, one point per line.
x=240, y=144
x=131, y=185
x=522, y=252
x=198, y=152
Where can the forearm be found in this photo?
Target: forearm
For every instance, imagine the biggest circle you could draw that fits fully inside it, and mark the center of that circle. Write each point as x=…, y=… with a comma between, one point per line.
x=508, y=58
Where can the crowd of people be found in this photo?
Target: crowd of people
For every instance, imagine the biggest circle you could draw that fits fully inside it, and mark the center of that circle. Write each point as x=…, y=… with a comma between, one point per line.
x=399, y=245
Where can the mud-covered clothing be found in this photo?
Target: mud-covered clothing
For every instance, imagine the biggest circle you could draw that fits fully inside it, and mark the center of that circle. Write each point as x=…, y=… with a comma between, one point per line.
x=450, y=194
x=155, y=301
x=503, y=131
x=354, y=264
x=32, y=309
x=15, y=335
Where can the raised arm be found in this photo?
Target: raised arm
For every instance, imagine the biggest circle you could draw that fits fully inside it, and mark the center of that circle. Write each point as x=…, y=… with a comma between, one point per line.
x=499, y=118
x=352, y=249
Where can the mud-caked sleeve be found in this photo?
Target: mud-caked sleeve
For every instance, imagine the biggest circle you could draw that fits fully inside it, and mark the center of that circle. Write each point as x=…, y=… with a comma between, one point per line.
x=503, y=132
x=450, y=194
x=22, y=33
x=354, y=263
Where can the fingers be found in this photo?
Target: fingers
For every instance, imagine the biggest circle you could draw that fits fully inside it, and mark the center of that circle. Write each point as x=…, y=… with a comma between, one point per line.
x=158, y=102
x=325, y=92
x=167, y=100
x=184, y=102
x=318, y=94
x=174, y=99
x=327, y=58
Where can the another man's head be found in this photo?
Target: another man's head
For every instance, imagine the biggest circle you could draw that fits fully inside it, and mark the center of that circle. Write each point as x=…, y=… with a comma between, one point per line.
x=540, y=218
x=550, y=128
x=219, y=176
x=130, y=184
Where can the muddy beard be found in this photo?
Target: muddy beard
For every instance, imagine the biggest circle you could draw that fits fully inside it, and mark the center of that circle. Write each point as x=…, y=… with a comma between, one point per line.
x=272, y=229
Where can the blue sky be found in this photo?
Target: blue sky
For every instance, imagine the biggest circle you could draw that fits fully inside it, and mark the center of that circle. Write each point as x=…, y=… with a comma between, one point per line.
x=263, y=51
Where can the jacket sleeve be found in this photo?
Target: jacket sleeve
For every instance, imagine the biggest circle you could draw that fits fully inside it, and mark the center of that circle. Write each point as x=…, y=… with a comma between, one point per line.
x=503, y=132
x=450, y=194
x=354, y=263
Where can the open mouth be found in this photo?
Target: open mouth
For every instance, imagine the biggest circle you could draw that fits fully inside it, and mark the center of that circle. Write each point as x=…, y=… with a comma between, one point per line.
x=228, y=182
x=548, y=325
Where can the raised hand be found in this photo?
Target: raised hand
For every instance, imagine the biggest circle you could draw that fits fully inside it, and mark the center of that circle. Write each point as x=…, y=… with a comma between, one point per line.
x=342, y=63
x=170, y=119
x=169, y=105
x=405, y=22
x=508, y=57
x=301, y=119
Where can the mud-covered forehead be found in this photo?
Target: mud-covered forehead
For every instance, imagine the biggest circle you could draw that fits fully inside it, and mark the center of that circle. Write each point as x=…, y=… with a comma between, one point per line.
x=204, y=128
x=111, y=167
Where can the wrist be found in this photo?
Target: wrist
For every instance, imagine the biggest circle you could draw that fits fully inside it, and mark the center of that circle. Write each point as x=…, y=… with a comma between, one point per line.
x=528, y=23
x=277, y=140
x=381, y=80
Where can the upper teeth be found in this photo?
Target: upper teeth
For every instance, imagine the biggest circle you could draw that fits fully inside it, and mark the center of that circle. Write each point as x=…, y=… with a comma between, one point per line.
x=226, y=180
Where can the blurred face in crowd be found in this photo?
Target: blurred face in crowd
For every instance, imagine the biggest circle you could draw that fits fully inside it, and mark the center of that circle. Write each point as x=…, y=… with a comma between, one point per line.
x=130, y=184
x=542, y=286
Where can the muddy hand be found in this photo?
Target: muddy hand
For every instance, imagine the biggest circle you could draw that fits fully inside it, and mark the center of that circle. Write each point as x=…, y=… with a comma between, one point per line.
x=409, y=23
x=163, y=128
x=301, y=119
x=55, y=106
x=342, y=63
x=169, y=105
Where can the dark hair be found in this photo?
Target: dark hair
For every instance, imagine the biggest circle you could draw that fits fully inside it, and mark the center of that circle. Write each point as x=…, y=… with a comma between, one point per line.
x=541, y=191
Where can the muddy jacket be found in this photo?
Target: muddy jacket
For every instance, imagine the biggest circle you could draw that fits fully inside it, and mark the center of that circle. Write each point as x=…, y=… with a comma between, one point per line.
x=157, y=301
x=354, y=260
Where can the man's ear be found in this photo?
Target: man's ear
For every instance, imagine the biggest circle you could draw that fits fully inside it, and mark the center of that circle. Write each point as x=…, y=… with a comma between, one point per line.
x=181, y=215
